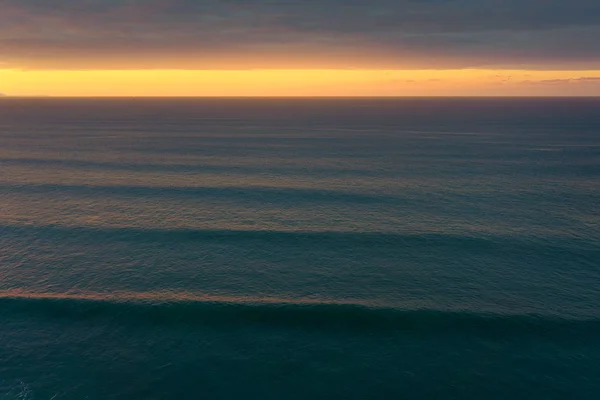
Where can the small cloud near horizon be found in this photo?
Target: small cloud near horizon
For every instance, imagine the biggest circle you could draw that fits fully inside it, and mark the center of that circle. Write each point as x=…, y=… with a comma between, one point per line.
x=580, y=80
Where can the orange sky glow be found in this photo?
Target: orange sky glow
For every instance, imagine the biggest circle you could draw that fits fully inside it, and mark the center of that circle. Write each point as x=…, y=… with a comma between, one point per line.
x=299, y=82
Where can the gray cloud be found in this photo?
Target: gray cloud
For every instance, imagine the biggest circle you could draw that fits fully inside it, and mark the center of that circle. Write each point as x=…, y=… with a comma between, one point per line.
x=355, y=33
x=572, y=81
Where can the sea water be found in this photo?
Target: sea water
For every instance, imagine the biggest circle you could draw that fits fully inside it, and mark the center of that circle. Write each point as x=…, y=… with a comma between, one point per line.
x=300, y=248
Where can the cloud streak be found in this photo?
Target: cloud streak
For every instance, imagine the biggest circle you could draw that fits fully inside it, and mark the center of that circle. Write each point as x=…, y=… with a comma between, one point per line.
x=81, y=34
x=572, y=81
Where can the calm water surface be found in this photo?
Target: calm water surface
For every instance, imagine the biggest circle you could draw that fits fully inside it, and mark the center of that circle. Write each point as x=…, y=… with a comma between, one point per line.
x=299, y=248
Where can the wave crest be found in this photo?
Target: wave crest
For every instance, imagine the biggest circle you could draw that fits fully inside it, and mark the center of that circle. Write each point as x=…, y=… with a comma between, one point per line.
x=143, y=309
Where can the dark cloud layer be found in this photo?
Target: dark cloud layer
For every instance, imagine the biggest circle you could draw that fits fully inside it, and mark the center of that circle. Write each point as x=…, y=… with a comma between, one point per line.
x=547, y=34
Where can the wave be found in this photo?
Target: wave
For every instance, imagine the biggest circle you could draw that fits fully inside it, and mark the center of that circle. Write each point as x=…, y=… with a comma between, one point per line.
x=559, y=244
x=340, y=238
x=192, y=167
x=242, y=193
x=157, y=309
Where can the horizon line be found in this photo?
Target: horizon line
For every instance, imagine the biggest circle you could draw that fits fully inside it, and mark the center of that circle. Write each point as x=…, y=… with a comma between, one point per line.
x=7, y=96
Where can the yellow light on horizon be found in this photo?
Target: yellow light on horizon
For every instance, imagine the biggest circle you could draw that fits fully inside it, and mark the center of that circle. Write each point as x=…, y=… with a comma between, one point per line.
x=289, y=82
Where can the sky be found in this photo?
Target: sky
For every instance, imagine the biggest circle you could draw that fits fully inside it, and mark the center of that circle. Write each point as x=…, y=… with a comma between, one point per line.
x=299, y=47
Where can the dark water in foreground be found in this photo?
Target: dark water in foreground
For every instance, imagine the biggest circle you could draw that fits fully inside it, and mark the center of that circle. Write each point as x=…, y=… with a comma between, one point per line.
x=300, y=249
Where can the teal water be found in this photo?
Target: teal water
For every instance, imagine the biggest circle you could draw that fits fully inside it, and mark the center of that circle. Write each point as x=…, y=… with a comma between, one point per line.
x=299, y=248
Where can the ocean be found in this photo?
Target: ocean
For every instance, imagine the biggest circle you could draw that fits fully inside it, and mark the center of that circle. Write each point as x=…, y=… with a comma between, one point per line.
x=379, y=248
